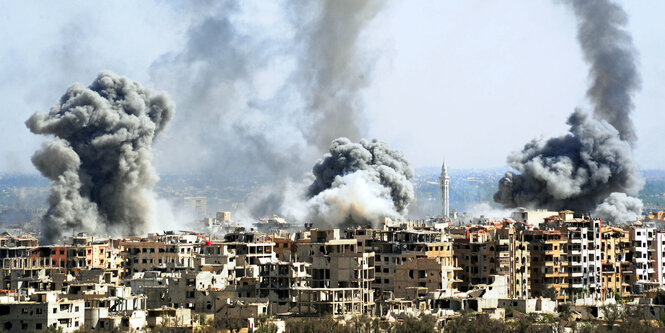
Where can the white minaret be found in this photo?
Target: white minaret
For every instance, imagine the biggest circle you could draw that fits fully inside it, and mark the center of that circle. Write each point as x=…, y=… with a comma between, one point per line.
x=444, y=181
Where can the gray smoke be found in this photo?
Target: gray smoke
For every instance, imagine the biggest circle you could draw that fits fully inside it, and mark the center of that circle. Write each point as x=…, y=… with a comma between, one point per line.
x=312, y=95
x=579, y=170
x=608, y=47
x=618, y=208
x=575, y=171
x=100, y=161
x=357, y=183
x=262, y=99
x=331, y=72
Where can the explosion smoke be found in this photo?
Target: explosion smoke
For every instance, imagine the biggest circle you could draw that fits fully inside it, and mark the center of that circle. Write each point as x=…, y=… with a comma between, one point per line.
x=619, y=208
x=358, y=183
x=100, y=161
x=575, y=171
x=579, y=170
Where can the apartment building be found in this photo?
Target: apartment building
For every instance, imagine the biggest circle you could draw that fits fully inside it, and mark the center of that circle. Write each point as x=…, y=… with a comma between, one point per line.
x=341, y=277
x=169, y=252
x=41, y=311
x=488, y=251
x=615, y=248
x=548, y=266
x=582, y=261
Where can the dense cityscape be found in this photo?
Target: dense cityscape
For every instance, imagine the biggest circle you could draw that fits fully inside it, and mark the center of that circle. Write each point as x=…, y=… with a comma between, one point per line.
x=534, y=267
x=254, y=166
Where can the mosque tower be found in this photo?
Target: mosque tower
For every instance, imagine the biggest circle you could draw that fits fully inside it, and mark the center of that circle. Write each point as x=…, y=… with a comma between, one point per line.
x=444, y=181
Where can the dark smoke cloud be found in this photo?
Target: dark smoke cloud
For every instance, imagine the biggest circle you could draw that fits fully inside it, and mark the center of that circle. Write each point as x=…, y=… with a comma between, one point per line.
x=608, y=47
x=359, y=182
x=579, y=170
x=575, y=171
x=100, y=161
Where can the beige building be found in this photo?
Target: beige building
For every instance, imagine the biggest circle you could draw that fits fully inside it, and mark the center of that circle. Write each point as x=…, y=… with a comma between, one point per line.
x=40, y=311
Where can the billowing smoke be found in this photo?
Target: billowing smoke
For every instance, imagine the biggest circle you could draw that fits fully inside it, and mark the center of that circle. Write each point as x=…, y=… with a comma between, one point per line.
x=252, y=92
x=358, y=183
x=575, y=171
x=100, y=161
x=618, y=208
x=582, y=168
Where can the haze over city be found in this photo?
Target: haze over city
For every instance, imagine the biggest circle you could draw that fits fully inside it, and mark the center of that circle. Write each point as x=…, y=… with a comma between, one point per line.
x=469, y=82
x=332, y=166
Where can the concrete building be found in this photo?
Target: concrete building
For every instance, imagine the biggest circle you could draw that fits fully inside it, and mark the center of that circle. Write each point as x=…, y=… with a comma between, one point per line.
x=493, y=250
x=549, y=266
x=615, y=247
x=532, y=217
x=341, y=277
x=583, y=253
x=40, y=311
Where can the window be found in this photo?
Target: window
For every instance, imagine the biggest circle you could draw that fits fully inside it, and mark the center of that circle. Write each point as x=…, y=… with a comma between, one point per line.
x=38, y=326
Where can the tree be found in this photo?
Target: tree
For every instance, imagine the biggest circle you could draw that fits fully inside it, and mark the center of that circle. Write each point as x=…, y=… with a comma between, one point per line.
x=422, y=324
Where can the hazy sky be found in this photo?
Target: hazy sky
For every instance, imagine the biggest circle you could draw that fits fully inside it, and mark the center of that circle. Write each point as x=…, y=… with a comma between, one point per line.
x=470, y=81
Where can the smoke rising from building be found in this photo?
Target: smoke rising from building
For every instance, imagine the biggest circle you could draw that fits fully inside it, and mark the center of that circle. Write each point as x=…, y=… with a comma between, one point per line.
x=582, y=168
x=358, y=183
x=100, y=161
x=575, y=171
x=619, y=208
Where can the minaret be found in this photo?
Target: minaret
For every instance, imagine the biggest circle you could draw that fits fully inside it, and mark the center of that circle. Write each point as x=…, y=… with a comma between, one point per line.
x=444, y=181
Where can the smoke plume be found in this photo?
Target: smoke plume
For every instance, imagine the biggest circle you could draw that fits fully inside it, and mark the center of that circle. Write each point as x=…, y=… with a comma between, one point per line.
x=260, y=90
x=575, y=171
x=358, y=183
x=331, y=72
x=608, y=47
x=100, y=161
x=582, y=168
x=618, y=208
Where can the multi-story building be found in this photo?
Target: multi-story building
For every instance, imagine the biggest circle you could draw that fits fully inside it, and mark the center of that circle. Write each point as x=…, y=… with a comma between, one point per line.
x=341, y=277
x=549, y=270
x=168, y=252
x=615, y=247
x=41, y=311
x=494, y=250
x=279, y=283
x=582, y=259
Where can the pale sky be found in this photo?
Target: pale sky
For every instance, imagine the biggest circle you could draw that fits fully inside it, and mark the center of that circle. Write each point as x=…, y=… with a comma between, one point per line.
x=468, y=81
